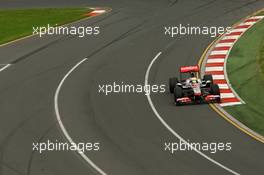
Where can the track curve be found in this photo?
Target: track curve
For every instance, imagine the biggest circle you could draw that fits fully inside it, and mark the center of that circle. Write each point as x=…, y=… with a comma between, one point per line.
x=131, y=138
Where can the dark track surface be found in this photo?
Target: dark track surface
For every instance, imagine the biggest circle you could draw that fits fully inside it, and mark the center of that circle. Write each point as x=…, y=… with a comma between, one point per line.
x=132, y=138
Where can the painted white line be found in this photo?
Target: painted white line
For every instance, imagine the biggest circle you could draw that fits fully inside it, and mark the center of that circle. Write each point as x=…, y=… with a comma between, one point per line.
x=218, y=77
x=224, y=44
x=219, y=52
x=209, y=69
x=5, y=67
x=227, y=95
x=231, y=37
x=217, y=60
x=223, y=86
x=230, y=104
x=65, y=132
x=170, y=129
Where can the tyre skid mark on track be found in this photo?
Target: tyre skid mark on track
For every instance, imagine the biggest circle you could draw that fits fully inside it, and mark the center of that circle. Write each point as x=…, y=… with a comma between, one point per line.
x=56, y=106
x=164, y=123
x=41, y=138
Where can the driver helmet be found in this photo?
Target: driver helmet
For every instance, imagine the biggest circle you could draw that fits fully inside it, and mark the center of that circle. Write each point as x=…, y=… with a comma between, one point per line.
x=194, y=80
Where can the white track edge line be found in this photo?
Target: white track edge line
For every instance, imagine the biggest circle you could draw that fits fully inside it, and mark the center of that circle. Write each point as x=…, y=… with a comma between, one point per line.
x=5, y=67
x=65, y=132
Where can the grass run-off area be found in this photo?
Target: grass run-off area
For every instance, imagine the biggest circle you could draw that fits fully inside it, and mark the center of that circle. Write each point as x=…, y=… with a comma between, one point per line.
x=19, y=23
x=245, y=68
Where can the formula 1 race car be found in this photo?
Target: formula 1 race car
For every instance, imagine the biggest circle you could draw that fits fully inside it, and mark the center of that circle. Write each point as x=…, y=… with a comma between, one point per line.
x=189, y=89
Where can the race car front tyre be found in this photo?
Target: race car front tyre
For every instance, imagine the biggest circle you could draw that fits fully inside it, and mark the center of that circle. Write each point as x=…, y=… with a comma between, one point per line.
x=215, y=89
x=177, y=93
x=172, y=83
x=208, y=77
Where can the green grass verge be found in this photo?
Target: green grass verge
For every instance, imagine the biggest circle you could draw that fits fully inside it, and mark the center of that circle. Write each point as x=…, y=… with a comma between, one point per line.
x=261, y=13
x=245, y=68
x=18, y=23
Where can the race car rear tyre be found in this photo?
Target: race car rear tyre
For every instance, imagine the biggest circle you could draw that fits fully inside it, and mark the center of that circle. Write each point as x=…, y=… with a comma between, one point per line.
x=215, y=89
x=172, y=83
x=208, y=77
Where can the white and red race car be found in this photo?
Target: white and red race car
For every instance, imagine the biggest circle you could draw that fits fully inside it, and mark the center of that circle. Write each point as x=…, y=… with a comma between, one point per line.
x=189, y=89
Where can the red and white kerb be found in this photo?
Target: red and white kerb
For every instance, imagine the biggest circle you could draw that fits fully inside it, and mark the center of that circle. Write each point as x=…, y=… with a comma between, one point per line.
x=96, y=11
x=216, y=60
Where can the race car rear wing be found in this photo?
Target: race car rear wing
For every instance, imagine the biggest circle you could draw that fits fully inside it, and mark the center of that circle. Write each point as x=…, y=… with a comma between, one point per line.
x=185, y=69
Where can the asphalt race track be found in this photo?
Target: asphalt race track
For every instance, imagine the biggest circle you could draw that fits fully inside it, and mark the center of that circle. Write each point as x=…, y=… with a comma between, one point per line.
x=130, y=134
